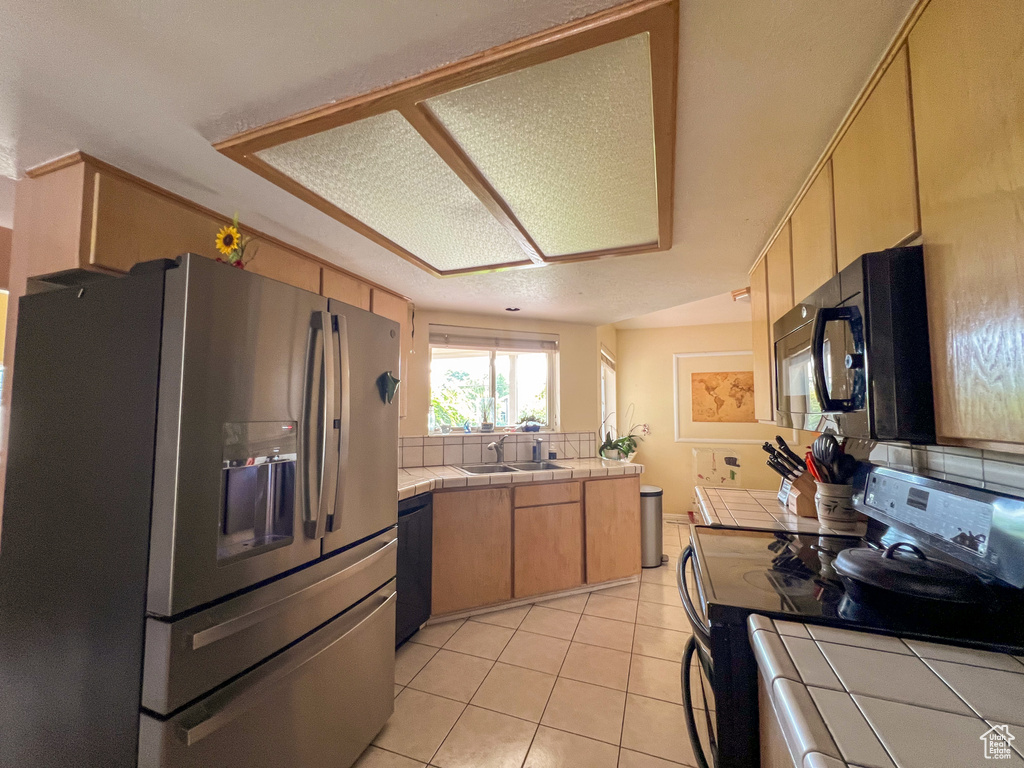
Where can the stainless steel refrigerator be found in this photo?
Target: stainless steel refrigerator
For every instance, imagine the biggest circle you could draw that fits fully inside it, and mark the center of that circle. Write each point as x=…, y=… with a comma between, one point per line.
x=198, y=544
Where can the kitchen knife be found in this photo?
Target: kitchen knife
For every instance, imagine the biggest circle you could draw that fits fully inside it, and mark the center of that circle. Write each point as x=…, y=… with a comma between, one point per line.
x=780, y=457
x=775, y=467
x=781, y=468
x=789, y=453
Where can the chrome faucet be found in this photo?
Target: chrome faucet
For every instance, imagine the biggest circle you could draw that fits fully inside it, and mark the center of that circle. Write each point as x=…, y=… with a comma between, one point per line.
x=498, y=446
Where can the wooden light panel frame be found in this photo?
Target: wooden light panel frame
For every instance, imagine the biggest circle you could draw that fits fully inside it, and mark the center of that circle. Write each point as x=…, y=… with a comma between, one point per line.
x=659, y=18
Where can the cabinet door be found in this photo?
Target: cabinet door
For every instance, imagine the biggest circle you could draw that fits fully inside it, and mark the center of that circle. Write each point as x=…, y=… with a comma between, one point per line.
x=472, y=558
x=814, y=248
x=762, y=344
x=612, y=510
x=286, y=267
x=548, y=549
x=874, y=173
x=398, y=309
x=132, y=223
x=968, y=75
x=338, y=285
x=779, y=261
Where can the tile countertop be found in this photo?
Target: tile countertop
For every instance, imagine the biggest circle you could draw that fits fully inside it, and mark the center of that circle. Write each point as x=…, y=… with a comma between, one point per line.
x=759, y=509
x=863, y=700
x=413, y=481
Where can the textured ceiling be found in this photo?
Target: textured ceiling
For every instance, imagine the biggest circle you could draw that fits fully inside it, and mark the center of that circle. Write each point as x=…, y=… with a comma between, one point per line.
x=709, y=311
x=148, y=85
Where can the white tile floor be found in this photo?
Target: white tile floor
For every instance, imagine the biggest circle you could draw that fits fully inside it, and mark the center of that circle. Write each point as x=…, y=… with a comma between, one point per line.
x=588, y=681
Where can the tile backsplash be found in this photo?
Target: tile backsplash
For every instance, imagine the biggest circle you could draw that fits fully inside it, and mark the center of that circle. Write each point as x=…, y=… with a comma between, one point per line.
x=1000, y=472
x=464, y=448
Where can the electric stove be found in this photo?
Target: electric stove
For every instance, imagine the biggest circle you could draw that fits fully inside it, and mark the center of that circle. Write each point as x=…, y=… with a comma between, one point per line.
x=735, y=572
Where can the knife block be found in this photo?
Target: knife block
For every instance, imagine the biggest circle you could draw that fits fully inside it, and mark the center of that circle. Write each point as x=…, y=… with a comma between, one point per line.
x=798, y=495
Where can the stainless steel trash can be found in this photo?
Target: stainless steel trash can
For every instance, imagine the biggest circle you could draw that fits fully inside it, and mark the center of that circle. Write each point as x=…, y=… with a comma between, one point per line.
x=650, y=526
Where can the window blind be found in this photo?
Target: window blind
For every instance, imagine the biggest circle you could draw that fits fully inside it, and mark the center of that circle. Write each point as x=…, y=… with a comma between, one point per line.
x=458, y=337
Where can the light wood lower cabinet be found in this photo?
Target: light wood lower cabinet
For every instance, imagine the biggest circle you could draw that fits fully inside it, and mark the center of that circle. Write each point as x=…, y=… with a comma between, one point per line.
x=486, y=552
x=472, y=552
x=548, y=548
x=774, y=751
x=612, y=509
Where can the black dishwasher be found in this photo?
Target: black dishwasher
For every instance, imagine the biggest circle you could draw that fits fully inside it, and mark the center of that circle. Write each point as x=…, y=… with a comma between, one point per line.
x=415, y=543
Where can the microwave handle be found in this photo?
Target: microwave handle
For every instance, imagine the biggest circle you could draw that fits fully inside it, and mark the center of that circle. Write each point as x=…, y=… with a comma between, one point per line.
x=822, y=317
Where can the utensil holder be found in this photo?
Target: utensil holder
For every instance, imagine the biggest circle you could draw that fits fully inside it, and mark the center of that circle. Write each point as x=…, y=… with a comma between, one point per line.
x=834, y=504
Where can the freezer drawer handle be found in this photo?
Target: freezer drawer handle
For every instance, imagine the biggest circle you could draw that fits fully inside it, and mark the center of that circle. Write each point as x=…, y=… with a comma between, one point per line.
x=221, y=713
x=237, y=624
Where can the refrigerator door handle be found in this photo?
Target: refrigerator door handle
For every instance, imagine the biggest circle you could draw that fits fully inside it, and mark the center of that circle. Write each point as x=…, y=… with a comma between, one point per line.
x=227, y=705
x=329, y=456
x=344, y=374
x=321, y=500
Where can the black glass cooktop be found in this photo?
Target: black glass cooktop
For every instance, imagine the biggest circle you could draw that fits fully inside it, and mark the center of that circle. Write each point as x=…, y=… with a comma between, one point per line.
x=791, y=575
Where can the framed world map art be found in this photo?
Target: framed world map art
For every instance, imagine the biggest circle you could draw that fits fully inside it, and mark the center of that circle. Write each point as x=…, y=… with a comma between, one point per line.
x=722, y=397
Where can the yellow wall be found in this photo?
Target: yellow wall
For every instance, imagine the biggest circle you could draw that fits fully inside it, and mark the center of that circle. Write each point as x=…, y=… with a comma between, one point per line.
x=578, y=367
x=644, y=377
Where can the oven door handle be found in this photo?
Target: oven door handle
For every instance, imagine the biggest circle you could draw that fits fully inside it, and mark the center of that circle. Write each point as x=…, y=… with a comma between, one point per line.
x=854, y=361
x=700, y=627
x=691, y=723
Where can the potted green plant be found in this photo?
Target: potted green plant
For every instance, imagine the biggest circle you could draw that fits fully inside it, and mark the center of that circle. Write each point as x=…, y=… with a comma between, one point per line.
x=622, y=448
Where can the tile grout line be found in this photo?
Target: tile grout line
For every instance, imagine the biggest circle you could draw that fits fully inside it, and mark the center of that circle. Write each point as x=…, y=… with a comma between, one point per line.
x=466, y=705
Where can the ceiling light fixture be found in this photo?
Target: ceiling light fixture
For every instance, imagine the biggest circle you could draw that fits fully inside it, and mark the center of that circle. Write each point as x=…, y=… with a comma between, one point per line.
x=511, y=309
x=444, y=171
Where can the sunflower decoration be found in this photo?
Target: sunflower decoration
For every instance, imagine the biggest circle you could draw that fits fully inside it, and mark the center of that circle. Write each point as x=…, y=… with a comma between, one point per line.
x=233, y=245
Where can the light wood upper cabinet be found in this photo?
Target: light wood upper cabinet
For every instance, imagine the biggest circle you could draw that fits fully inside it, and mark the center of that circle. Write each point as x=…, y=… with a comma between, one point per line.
x=398, y=309
x=285, y=266
x=779, y=262
x=874, y=172
x=612, y=510
x=132, y=223
x=761, y=343
x=548, y=548
x=968, y=86
x=472, y=552
x=338, y=285
x=813, y=231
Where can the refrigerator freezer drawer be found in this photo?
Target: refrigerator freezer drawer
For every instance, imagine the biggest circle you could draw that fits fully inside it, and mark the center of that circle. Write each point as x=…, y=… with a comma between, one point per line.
x=186, y=658
x=319, y=703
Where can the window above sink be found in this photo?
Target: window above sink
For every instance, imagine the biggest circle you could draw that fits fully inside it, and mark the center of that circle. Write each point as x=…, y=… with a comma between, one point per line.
x=482, y=377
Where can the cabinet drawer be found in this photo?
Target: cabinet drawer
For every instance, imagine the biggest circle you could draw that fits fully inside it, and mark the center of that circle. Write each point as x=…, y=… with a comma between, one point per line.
x=556, y=493
x=548, y=549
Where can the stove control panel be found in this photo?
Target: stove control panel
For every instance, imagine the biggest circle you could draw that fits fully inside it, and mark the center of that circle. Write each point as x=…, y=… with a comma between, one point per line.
x=964, y=522
x=980, y=529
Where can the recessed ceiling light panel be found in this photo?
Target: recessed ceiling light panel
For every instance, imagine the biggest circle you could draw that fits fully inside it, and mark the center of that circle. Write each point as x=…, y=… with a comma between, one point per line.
x=569, y=145
x=382, y=172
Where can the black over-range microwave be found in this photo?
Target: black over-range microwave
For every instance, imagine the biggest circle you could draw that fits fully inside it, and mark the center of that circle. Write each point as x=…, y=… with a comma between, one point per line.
x=854, y=355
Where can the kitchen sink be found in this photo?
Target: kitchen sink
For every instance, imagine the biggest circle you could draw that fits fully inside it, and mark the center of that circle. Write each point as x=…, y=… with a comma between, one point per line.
x=518, y=466
x=533, y=466
x=485, y=469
